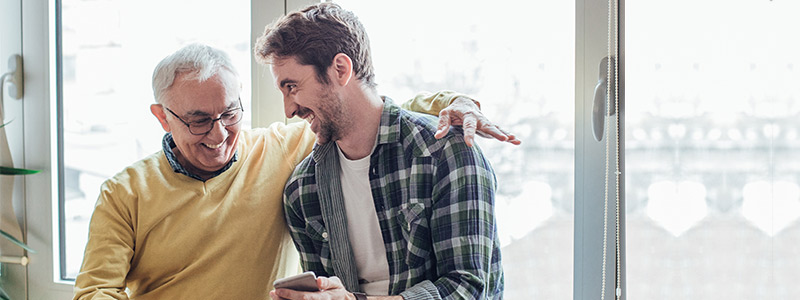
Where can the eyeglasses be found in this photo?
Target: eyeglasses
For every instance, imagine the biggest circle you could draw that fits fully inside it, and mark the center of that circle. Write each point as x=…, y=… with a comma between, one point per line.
x=204, y=126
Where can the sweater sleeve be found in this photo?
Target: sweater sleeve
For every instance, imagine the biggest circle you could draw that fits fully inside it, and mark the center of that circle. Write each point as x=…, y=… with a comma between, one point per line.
x=297, y=141
x=108, y=251
x=432, y=104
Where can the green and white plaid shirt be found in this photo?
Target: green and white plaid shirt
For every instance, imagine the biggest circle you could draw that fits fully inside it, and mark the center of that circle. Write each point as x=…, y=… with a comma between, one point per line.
x=435, y=205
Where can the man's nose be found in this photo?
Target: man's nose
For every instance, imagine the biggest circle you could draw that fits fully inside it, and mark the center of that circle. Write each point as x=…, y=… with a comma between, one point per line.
x=289, y=107
x=218, y=132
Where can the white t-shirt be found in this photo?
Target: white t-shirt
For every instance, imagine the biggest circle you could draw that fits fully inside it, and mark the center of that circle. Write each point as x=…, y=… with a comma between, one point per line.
x=363, y=229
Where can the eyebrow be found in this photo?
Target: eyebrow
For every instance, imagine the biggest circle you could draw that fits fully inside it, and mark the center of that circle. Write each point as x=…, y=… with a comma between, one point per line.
x=200, y=113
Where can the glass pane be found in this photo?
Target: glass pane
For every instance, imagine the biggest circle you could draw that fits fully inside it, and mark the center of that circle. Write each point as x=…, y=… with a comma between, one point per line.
x=110, y=48
x=525, y=82
x=713, y=113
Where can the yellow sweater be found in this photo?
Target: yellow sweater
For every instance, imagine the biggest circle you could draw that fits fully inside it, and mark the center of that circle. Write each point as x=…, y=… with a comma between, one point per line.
x=164, y=235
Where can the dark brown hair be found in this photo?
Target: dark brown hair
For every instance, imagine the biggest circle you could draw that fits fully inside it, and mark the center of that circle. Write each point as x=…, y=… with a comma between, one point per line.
x=314, y=36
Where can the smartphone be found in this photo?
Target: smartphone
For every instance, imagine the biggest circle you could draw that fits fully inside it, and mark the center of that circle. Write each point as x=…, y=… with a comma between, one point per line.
x=306, y=282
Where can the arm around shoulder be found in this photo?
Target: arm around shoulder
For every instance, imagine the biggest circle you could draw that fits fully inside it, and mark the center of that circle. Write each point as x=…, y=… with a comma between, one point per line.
x=296, y=140
x=432, y=104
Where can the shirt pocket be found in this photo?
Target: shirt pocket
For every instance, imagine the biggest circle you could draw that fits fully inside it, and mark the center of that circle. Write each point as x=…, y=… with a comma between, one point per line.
x=416, y=232
x=316, y=230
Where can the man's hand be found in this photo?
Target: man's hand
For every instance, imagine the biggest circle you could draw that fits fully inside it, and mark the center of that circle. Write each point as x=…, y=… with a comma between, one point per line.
x=464, y=112
x=331, y=288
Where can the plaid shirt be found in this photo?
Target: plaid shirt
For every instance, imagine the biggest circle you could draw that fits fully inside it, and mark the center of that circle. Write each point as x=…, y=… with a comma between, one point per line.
x=435, y=204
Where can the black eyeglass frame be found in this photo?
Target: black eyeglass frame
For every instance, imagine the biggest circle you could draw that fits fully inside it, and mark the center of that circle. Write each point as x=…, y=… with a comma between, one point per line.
x=213, y=121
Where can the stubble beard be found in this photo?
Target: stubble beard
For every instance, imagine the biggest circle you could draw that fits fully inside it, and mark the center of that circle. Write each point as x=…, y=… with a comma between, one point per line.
x=335, y=121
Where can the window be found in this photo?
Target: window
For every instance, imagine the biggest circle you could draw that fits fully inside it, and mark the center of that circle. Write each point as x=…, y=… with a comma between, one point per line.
x=713, y=112
x=109, y=51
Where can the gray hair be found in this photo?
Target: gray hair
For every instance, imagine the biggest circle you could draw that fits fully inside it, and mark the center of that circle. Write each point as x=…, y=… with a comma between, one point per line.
x=201, y=62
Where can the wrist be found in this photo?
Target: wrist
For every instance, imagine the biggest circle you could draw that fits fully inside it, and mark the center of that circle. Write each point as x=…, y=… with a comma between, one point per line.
x=358, y=296
x=466, y=100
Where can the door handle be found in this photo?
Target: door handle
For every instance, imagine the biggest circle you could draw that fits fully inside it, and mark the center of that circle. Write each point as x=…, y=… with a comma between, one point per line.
x=600, y=99
x=14, y=77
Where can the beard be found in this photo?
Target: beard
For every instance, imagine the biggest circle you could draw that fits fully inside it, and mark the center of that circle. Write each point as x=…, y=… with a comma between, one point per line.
x=332, y=117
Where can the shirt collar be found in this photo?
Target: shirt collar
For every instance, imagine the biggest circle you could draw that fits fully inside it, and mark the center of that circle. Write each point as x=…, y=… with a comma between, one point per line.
x=389, y=131
x=168, y=143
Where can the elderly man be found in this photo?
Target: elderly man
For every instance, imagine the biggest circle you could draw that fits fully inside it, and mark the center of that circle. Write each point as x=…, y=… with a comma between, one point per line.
x=380, y=203
x=201, y=219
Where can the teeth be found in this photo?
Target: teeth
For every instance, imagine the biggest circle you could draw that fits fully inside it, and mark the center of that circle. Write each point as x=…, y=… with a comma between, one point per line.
x=214, y=146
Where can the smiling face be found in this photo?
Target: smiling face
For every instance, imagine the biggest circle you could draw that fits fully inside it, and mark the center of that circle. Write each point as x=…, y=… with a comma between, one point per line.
x=304, y=96
x=195, y=101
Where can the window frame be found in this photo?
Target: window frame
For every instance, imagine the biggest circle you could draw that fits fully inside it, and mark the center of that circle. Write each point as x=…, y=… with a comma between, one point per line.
x=591, y=39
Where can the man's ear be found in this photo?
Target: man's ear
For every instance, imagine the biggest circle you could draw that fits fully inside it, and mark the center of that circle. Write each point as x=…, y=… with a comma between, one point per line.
x=158, y=111
x=342, y=68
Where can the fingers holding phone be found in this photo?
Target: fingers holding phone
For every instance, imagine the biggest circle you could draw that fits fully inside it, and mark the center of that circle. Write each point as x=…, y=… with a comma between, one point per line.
x=298, y=286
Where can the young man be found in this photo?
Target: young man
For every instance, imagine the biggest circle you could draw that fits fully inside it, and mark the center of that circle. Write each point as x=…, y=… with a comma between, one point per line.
x=380, y=203
x=203, y=218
